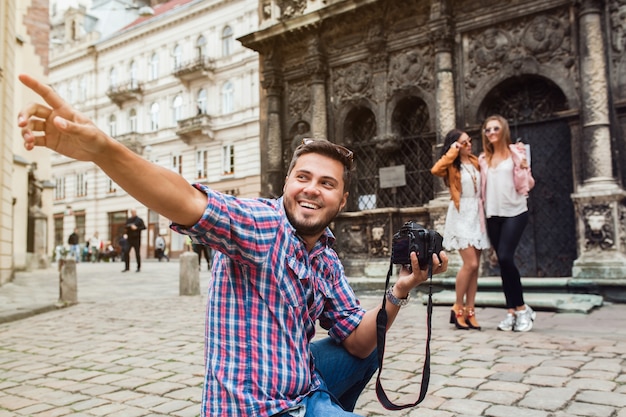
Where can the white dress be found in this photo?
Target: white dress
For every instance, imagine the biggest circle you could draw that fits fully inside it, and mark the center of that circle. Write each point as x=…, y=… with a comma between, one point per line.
x=463, y=228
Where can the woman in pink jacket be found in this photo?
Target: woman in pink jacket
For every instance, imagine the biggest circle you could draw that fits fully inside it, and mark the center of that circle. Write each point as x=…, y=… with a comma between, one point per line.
x=505, y=184
x=465, y=224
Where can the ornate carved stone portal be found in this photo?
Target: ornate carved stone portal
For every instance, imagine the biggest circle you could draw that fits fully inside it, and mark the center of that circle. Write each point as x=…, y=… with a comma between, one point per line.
x=389, y=78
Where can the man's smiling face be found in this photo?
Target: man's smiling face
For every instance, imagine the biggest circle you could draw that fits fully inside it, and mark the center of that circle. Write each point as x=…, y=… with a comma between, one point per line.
x=313, y=194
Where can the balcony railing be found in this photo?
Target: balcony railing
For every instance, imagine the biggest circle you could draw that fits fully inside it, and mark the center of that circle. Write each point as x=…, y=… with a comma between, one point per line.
x=132, y=141
x=201, y=67
x=129, y=90
x=195, y=129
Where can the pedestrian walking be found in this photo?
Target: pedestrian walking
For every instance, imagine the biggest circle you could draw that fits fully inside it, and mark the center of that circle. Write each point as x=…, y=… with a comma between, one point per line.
x=275, y=274
x=159, y=248
x=95, y=246
x=505, y=183
x=465, y=222
x=125, y=249
x=202, y=251
x=134, y=226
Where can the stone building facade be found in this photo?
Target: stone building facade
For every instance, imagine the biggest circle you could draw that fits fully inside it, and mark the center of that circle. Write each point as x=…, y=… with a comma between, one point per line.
x=174, y=86
x=388, y=78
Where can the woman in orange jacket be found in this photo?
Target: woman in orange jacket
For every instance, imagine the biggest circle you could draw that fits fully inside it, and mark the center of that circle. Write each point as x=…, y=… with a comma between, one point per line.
x=465, y=224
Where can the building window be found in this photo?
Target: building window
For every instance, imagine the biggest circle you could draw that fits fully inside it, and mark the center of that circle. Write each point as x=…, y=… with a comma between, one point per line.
x=81, y=185
x=113, y=78
x=177, y=55
x=59, y=188
x=227, y=41
x=177, y=164
x=82, y=89
x=154, y=116
x=154, y=67
x=132, y=120
x=111, y=187
x=201, y=51
x=227, y=98
x=112, y=126
x=202, y=101
x=134, y=82
x=177, y=109
x=202, y=158
x=228, y=159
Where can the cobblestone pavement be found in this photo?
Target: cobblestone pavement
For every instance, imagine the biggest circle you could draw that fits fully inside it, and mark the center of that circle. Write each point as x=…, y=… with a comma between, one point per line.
x=133, y=347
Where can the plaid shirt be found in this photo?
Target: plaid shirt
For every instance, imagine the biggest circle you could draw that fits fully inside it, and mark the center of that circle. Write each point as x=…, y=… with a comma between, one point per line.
x=264, y=298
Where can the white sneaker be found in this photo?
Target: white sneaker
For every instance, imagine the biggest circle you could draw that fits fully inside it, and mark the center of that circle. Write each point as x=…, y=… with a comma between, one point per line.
x=524, y=319
x=508, y=323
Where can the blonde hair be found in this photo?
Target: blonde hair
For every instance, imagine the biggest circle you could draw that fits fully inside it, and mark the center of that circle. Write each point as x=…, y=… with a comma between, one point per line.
x=505, y=135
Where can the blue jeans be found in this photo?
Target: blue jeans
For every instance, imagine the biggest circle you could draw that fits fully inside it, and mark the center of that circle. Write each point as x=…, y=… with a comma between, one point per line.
x=344, y=377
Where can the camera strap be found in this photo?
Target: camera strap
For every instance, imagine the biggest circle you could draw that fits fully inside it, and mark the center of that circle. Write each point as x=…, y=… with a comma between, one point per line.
x=381, y=332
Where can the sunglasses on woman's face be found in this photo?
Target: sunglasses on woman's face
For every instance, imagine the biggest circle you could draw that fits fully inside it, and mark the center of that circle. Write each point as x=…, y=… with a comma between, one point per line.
x=490, y=130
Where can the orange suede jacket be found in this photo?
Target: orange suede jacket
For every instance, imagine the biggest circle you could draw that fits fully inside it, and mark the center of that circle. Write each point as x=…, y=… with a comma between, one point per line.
x=444, y=168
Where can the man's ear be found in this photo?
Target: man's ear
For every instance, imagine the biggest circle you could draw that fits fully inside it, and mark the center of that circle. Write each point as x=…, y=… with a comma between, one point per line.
x=344, y=201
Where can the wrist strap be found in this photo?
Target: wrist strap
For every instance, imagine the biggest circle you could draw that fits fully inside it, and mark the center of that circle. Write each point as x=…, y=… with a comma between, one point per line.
x=381, y=333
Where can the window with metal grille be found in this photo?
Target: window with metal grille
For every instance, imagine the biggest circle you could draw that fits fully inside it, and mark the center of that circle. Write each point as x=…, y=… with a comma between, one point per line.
x=407, y=146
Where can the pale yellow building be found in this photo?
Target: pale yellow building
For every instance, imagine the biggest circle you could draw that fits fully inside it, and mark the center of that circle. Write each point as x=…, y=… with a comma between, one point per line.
x=24, y=47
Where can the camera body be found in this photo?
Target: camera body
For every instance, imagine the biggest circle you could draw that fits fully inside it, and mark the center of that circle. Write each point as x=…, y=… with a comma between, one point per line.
x=413, y=237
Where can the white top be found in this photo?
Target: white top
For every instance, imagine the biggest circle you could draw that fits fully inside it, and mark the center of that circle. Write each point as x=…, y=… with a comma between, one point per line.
x=501, y=199
x=463, y=227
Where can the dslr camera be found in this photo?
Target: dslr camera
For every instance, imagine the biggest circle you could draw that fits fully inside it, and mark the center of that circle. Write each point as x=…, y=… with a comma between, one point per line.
x=413, y=237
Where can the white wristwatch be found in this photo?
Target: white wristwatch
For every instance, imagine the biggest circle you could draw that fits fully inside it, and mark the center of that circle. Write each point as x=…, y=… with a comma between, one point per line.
x=395, y=300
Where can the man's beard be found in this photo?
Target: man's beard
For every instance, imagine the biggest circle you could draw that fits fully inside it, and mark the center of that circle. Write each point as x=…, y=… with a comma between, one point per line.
x=310, y=227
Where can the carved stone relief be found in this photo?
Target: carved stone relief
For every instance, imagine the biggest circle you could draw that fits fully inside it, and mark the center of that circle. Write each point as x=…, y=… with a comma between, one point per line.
x=291, y=8
x=599, y=232
x=617, y=13
x=352, y=82
x=410, y=68
x=299, y=99
x=521, y=46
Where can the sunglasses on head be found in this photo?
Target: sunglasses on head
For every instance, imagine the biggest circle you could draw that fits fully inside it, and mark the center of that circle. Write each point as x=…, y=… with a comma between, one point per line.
x=495, y=129
x=343, y=151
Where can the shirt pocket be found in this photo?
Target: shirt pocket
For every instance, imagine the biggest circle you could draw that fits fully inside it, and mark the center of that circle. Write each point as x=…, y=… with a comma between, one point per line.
x=291, y=287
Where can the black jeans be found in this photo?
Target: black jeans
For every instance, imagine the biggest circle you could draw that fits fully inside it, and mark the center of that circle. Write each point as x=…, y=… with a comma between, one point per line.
x=505, y=234
x=134, y=244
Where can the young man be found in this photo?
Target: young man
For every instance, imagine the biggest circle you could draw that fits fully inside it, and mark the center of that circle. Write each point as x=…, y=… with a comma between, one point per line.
x=275, y=276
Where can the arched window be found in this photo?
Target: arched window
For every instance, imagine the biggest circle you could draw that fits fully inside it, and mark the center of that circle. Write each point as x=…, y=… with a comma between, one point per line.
x=202, y=101
x=201, y=47
x=154, y=67
x=112, y=126
x=154, y=116
x=227, y=41
x=113, y=78
x=228, y=92
x=82, y=89
x=132, y=120
x=177, y=55
x=177, y=109
x=132, y=69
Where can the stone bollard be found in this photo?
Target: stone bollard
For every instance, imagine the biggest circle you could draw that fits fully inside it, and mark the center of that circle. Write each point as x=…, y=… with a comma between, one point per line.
x=189, y=274
x=68, y=288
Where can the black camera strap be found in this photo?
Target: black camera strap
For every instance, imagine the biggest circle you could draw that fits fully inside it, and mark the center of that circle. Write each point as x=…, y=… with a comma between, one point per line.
x=381, y=333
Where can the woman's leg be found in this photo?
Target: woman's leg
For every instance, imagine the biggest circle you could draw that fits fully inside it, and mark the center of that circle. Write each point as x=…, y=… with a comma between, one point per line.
x=471, y=258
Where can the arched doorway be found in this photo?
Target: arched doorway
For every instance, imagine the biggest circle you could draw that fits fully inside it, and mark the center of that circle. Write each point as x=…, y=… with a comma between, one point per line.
x=531, y=105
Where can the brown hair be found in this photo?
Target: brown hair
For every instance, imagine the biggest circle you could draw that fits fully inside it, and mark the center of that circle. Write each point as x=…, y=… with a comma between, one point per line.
x=330, y=150
x=505, y=135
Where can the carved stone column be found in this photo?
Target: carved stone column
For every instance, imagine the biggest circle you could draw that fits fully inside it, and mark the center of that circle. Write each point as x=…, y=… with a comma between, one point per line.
x=316, y=67
x=442, y=36
x=599, y=201
x=272, y=175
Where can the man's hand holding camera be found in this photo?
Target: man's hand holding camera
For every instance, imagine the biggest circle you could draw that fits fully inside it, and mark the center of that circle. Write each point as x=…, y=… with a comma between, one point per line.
x=411, y=277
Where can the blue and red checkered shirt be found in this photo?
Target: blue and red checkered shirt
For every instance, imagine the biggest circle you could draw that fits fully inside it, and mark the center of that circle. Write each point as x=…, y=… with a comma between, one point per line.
x=264, y=298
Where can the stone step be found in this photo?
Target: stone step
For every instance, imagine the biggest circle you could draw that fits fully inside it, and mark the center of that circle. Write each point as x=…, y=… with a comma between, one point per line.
x=559, y=302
